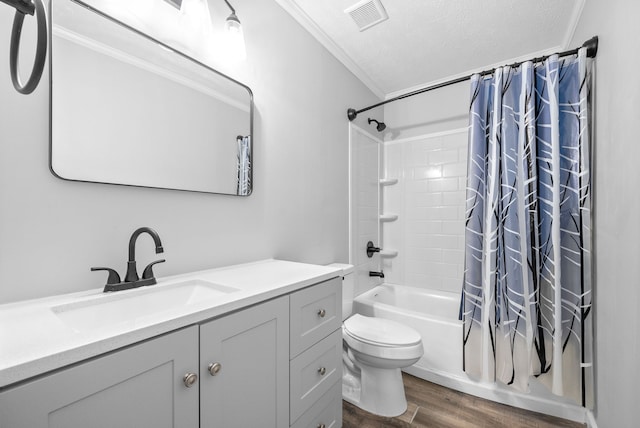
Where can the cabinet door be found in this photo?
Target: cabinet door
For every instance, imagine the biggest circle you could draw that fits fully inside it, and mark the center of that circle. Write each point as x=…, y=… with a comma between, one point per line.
x=138, y=387
x=251, y=348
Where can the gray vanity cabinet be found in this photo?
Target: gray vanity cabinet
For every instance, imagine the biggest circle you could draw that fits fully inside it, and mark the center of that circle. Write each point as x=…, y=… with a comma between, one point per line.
x=244, y=366
x=139, y=386
x=237, y=370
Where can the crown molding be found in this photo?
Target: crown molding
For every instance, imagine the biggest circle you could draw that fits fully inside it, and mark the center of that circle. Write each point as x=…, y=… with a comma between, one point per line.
x=307, y=23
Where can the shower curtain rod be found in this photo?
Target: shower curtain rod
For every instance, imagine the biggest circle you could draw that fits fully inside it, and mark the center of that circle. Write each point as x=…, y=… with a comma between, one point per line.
x=592, y=50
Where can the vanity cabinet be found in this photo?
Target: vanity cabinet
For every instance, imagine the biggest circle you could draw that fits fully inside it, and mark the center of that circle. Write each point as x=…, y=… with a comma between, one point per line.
x=140, y=386
x=275, y=364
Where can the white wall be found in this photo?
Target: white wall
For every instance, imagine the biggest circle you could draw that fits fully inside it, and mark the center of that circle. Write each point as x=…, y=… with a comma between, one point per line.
x=617, y=230
x=52, y=231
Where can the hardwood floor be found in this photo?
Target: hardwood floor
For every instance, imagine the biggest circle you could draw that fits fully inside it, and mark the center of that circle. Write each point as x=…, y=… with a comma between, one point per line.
x=434, y=406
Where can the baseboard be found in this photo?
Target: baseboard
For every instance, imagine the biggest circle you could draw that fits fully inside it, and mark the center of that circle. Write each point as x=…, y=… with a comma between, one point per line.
x=553, y=406
x=591, y=420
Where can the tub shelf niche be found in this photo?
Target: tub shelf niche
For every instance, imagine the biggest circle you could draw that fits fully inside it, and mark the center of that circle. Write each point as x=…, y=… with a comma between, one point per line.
x=388, y=181
x=388, y=254
x=388, y=217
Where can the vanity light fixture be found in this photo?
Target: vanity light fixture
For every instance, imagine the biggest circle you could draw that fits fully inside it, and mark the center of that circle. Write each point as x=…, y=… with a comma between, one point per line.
x=234, y=34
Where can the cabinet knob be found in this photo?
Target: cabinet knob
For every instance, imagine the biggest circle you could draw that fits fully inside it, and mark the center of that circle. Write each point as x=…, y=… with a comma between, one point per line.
x=321, y=426
x=190, y=379
x=214, y=368
x=322, y=371
x=322, y=313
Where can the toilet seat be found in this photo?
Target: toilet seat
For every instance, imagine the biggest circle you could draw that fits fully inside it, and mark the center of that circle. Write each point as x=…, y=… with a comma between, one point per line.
x=380, y=331
x=382, y=338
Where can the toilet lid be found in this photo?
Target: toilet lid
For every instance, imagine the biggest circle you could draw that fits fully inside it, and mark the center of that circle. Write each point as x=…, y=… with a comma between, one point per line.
x=380, y=331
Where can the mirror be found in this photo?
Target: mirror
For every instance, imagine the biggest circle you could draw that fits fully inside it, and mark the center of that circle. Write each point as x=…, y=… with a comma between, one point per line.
x=127, y=109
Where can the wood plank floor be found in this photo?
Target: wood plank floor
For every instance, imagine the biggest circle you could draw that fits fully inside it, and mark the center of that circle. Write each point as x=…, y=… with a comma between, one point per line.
x=434, y=406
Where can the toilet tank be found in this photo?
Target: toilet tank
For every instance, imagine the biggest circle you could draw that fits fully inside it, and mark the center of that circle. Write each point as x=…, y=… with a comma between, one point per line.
x=348, y=288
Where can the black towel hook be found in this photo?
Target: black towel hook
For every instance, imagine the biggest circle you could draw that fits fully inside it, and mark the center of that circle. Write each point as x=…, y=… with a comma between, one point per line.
x=24, y=7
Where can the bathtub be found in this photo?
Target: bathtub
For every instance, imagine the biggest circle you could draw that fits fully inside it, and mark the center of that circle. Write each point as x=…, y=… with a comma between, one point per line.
x=434, y=314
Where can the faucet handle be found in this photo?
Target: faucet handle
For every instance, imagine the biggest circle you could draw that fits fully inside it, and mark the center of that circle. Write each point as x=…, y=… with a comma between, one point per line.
x=148, y=271
x=113, y=278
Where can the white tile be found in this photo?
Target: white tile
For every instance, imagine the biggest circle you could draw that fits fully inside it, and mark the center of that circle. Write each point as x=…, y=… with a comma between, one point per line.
x=440, y=213
x=426, y=226
x=416, y=186
x=453, y=227
x=443, y=185
x=428, y=144
x=454, y=170
x=462, y=154
x=452, y=284
x=425, y=172
x=443, y=156
x=442, y=242
x=424, y=255
x=453, y=256
x=419, y=213
x=462, y=183
x=427, y=199
x=449, y=270
x=456, y=198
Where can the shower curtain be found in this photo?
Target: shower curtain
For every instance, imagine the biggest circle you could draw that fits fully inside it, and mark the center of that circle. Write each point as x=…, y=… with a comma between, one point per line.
x=526, y=301
x=244, y=165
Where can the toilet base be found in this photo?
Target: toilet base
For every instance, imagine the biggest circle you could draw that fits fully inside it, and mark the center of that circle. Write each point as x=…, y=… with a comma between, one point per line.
x=378, y=391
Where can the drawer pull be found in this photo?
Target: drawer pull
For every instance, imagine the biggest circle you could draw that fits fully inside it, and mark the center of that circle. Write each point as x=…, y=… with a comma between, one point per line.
x=322, y=371
x=214, y=368
x=321, y=426
x=322, y=313
x=190, y=379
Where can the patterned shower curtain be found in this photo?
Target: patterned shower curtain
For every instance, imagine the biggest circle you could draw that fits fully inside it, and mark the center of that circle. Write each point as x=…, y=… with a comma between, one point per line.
x=244, y=165
x=526, y=302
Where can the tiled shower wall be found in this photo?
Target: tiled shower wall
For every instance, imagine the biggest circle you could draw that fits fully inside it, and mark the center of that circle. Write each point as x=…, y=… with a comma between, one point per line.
x=429, y=200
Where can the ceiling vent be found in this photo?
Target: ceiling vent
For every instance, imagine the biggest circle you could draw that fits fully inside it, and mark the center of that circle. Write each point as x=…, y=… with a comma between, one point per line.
x=367, y=13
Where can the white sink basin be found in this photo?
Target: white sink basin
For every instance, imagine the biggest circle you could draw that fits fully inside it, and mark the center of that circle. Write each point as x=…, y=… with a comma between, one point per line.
x=133, y=308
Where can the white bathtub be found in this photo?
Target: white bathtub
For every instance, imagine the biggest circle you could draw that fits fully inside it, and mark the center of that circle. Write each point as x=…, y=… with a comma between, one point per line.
x=434, y=314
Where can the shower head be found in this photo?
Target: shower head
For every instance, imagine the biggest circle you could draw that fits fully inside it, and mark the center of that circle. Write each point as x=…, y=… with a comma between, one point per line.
x=380, y=125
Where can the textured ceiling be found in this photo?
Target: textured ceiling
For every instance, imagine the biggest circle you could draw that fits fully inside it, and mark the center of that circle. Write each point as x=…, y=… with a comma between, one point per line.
x=426, y=41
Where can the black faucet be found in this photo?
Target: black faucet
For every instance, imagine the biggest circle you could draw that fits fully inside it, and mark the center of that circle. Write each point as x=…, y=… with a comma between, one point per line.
x=131, y=279
x=378, y=274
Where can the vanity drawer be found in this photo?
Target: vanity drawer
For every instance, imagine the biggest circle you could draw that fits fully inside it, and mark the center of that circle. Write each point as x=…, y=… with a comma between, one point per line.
x=315, y=313
x=313, y=373
x=326, y=412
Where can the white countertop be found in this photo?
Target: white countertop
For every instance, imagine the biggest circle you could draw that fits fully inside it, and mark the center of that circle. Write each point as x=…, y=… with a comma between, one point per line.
x=34, y=340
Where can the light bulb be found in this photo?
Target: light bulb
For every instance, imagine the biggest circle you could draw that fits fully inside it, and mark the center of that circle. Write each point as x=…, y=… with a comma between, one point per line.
x=235, y=38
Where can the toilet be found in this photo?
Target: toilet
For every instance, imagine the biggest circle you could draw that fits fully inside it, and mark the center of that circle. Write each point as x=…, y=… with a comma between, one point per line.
x=374, y=350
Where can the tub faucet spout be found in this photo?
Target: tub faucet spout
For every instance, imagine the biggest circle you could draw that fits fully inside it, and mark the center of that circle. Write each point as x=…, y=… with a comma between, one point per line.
x=378, y=274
